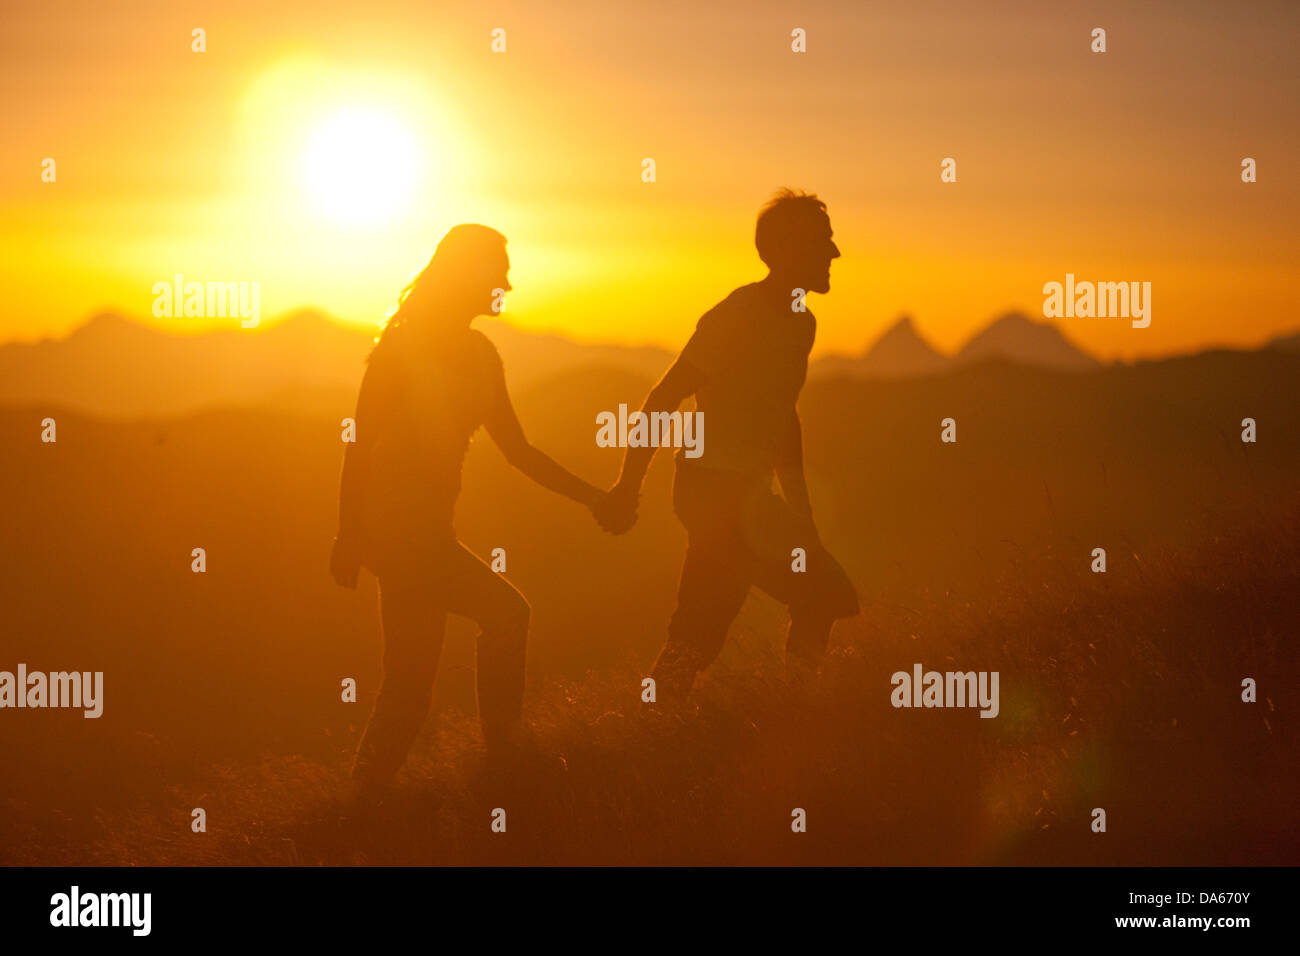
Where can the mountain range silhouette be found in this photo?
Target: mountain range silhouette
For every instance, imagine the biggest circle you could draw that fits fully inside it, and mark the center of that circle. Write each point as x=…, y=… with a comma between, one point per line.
x=116, y=367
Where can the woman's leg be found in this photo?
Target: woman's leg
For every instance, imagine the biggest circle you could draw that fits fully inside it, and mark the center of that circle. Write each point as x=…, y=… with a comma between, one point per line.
x=414, y=623
x=474, y=590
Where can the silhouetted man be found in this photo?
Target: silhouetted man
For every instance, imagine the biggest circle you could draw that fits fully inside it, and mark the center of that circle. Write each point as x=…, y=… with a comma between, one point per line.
x=745, y=365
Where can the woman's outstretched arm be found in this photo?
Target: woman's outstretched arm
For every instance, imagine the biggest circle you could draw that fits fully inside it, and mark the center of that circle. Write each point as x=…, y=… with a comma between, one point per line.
x=503, y=425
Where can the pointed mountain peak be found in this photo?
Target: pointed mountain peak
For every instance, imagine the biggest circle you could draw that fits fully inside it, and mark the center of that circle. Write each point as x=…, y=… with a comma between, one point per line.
x=1018, y=320
x=1017, y=337
x=105, y=326
x=902, y=323
x=903, y=330
x=899, y=351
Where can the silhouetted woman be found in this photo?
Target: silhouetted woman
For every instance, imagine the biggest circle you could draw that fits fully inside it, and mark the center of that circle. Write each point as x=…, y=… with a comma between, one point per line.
x=431, y=381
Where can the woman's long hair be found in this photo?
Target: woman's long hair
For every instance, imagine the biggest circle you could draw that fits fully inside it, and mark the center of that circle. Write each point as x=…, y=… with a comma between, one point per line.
x=455, y=266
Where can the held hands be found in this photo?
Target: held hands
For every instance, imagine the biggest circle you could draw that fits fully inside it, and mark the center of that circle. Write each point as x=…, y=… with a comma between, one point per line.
x=615, y=511
x=345, y=562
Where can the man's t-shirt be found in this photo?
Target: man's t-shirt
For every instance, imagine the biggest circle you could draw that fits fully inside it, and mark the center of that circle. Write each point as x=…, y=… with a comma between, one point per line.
x=751, y=354
x=422, y=401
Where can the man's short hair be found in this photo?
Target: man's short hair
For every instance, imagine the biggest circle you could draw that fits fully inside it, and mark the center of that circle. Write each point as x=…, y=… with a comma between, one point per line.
x=784, y=221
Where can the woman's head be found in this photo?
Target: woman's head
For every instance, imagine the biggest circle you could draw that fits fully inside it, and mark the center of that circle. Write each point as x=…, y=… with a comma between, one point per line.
x=465, y=278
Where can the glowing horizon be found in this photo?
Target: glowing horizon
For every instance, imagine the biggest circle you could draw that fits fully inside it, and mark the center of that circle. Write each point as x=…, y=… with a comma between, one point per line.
x=246, y=163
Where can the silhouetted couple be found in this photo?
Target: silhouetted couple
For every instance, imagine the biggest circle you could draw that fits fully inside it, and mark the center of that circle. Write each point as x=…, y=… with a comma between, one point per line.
x=431, y=381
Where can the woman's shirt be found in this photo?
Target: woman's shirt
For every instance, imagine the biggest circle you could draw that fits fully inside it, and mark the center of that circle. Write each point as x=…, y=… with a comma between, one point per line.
x=421, y=400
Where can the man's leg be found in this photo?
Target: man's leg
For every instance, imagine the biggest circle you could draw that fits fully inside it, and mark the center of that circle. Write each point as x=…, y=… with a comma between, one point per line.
x=816, y=588
x=501, y=612
x=826, y=595
x=712, y=591
x=413, y=626
x=805, y=646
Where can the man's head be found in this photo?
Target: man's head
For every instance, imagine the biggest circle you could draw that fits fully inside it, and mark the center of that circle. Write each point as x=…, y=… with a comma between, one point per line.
x=793, y=236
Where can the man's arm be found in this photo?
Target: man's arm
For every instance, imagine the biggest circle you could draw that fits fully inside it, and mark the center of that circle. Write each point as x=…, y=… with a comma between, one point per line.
x=789, y=471
x=678, y=383
x=616, y=512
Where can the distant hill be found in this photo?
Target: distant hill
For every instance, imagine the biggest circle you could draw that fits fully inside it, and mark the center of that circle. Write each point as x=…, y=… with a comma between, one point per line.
x=900, y=352
x=532, y=357
x=118, y=368
x=1290, y=343
x=1022, y=340
x=115, y=367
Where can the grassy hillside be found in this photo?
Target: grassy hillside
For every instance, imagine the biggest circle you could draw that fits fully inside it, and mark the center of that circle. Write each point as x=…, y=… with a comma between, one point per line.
x=1118, y=690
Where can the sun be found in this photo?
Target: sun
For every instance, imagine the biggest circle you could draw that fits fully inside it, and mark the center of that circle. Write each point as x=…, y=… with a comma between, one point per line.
x=360, y=166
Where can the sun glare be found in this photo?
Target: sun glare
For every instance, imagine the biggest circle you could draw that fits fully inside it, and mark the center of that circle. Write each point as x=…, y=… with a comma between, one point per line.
x=360, y=166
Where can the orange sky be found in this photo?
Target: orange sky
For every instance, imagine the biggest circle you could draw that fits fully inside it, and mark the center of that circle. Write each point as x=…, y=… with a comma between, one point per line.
x=1115, y=166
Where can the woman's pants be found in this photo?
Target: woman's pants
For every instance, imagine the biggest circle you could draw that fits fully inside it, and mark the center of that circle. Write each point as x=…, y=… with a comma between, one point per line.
x=418, y=588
